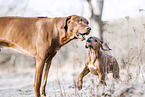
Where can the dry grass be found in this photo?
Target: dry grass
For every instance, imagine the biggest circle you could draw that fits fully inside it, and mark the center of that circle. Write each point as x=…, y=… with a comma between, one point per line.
x=126, y=37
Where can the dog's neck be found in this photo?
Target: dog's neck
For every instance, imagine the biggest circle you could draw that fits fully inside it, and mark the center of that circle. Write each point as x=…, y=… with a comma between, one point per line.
x=95, y=54
x=65, y=37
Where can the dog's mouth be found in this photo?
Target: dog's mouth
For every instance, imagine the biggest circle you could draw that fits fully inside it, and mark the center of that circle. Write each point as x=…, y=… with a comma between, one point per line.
x=88, y=46
x=81, y=35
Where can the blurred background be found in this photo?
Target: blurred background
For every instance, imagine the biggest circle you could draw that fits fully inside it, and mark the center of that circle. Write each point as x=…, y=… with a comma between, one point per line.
x=120, y=23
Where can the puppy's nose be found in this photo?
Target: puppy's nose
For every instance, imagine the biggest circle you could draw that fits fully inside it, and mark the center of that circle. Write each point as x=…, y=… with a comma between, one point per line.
x=88, y=29
x=86, y=46
x=89, y=40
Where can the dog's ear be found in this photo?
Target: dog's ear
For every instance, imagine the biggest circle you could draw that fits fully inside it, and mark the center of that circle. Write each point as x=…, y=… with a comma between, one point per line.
x=65, y=22
x=104, y=46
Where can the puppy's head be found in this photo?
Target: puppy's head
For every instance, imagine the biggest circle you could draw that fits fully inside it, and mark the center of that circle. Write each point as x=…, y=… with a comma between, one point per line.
x=95, y=44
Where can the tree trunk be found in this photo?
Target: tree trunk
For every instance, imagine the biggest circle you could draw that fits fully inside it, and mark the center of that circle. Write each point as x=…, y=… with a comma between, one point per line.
x=95, y=18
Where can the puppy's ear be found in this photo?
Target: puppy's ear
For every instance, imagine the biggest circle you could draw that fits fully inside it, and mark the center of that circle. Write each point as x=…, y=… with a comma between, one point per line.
x=65, y=22
x=104, y=46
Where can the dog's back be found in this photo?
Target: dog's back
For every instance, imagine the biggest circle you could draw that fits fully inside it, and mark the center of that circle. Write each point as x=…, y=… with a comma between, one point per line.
x=21, y=33
x=111, y=65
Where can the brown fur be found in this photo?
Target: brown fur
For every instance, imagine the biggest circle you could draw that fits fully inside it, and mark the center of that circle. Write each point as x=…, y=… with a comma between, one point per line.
x=41, y=38
x=97, y=62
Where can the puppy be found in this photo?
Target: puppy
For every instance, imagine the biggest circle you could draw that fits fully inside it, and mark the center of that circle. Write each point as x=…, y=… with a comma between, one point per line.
x=98, y=63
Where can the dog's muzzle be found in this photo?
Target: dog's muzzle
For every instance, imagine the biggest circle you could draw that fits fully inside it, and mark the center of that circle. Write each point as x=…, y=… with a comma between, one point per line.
x=88, y=46
x=81, y=35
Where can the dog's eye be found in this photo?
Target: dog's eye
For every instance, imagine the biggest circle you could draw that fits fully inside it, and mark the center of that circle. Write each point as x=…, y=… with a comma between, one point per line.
x=96, y=41
x=87, y=22
x=88, y=40
x=79, y=21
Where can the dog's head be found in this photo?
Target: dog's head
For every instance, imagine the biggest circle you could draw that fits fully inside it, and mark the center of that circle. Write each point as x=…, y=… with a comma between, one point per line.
x=76, y=27
x=95, y=44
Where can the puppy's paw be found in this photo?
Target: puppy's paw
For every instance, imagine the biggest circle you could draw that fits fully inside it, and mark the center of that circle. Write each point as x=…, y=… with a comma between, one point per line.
x=79, y=85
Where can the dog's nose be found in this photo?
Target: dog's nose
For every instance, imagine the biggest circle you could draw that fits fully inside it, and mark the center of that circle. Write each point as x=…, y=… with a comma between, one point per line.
x=88, y=29
x=86, y=46
x=89, y=40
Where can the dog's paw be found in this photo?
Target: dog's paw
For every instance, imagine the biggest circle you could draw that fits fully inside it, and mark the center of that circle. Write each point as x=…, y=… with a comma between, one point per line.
x=79, y=85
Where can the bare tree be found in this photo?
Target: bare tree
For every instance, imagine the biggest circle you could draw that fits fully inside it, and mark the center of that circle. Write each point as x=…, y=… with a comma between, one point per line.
x=14, y=7
x=95, y=18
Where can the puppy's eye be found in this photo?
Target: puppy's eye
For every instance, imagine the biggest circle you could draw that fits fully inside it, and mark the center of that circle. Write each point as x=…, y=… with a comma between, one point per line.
x=87, y=22
x=79, y=21
x=96, y=41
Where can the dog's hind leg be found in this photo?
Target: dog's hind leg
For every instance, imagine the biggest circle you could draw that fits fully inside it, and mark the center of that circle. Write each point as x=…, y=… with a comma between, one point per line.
x=115, y=69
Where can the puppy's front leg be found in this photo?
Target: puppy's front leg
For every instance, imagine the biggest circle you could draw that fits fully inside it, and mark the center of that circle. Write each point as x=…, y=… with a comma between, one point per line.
x=80, y=79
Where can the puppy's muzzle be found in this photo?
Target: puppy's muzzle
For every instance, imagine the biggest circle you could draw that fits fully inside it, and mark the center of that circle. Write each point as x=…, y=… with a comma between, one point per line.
x=88, y=46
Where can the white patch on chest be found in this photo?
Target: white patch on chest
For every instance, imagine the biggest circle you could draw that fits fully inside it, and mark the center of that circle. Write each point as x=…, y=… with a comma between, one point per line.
x=92, y=66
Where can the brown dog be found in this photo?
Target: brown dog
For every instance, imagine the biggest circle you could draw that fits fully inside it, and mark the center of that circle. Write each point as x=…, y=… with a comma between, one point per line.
x=41, y=38
x=97, y=62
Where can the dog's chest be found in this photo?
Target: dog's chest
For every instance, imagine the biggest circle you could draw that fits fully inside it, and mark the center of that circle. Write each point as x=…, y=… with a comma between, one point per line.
x=93, y=68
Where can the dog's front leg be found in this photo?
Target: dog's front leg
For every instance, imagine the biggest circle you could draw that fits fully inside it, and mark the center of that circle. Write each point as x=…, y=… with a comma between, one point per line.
x=44, y=77
x=45, y=73
x=38, y=76
x=80, y=79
